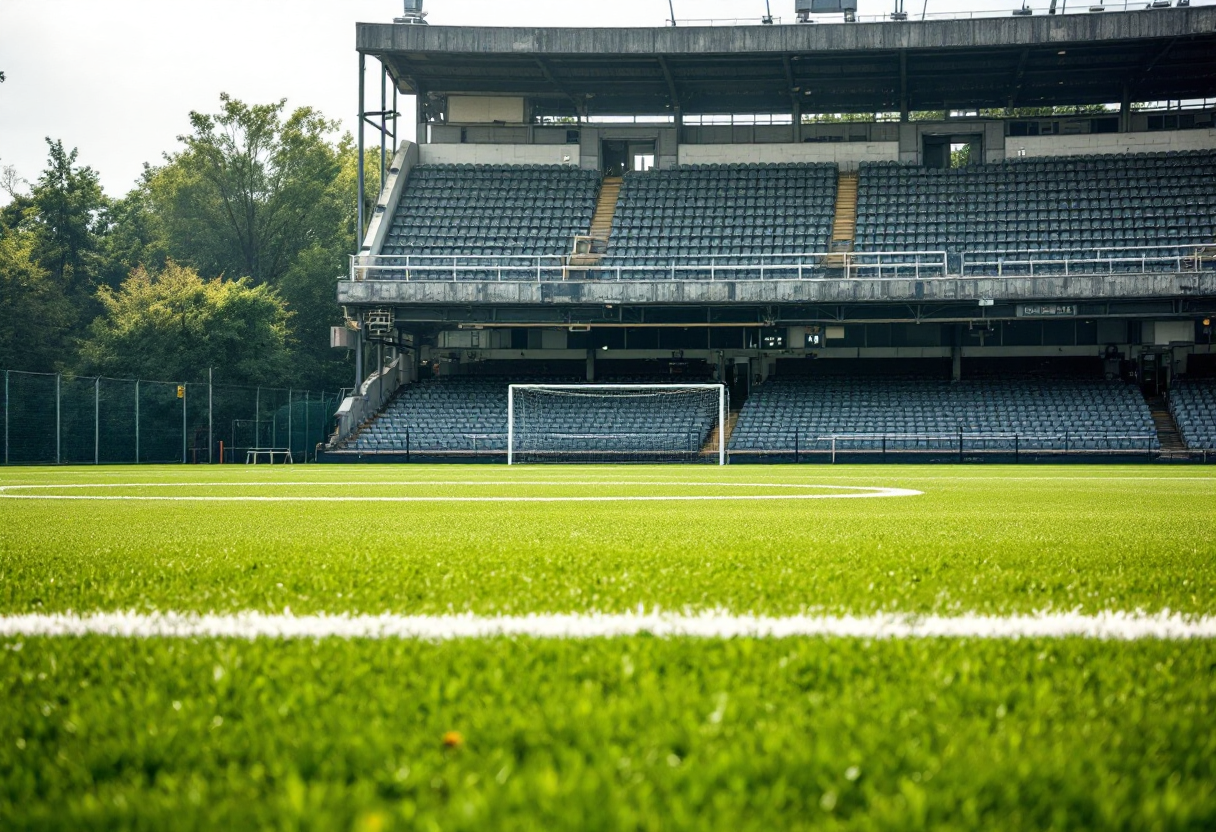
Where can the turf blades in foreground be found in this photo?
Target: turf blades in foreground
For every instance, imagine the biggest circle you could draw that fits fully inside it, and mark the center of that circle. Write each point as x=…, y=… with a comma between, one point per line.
x=626, y=734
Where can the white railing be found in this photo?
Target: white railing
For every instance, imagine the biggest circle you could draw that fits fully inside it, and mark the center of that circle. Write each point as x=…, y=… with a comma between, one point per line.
x=724, y=21
x=813, y=446
x=896, y=265
x=918, y=265
x=1087, y=261
x=1006, y=8
x=816, y=266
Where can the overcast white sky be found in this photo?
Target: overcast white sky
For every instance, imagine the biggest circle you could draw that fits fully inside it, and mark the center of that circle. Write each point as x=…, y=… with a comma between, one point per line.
x=118, y=78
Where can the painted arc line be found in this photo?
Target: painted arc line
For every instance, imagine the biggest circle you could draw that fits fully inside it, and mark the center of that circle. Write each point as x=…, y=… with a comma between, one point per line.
x=854, y=492
x=1103, y=626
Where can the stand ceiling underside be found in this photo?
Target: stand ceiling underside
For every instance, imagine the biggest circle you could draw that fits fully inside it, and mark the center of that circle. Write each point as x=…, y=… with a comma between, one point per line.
x=991, y=63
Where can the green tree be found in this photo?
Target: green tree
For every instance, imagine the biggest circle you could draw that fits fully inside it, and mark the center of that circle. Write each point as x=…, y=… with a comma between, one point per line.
x=35, y=317
x=131, y=237
x=67, y=203
x=250, y=190
x=258, y=193
x=174, y=325
x=1044, y=112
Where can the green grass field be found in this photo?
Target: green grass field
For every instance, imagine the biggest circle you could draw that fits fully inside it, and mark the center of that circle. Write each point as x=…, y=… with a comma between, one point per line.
x=637, y=732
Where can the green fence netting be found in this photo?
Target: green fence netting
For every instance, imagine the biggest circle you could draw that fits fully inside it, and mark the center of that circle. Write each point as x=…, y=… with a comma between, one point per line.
x=60, y=419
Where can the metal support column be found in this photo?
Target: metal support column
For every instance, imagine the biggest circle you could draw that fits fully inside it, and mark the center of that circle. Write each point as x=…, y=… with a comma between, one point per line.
x=6, y=417
x=185, y=442
x=359, y=354
x=210, y=416
x=383, y=124
x=289, y=425
x=359, y=173
x=58, y=418
x=136, y=421
x=307, y=433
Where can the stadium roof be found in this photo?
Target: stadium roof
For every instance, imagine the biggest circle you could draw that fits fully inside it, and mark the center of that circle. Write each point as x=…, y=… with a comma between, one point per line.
x=1152, y=55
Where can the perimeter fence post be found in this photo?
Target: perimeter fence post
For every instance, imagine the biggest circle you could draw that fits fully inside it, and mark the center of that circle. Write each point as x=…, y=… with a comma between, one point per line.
x=210, y=416
x=6, y=417
x=884, y=449
x=1017, y=448
x=136, y=421
x=407, y=444
x=289, y=445
x=185, y=444
x=307, y=434
x=97, y=421
x=58, y=418
x=960, y=446
x=797, y=449
x=257, y=417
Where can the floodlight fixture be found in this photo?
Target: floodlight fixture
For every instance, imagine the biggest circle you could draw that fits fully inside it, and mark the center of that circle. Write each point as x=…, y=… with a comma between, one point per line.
x=805, y=8
x=412, y=13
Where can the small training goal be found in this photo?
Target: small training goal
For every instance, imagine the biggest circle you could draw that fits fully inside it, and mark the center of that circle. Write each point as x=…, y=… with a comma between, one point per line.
x=616, y=423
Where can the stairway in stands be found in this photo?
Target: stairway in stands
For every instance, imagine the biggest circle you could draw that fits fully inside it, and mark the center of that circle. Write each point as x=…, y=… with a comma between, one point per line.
x=844, y=225
x=605, y=207
x=601, y=226
x=710, y=448
x=1172, y=445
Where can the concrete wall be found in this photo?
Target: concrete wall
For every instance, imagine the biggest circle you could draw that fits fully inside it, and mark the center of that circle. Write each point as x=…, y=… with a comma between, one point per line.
x=485, y=109
x=846, y=154
x=386, y=205
x=1038, y=30
x=500, y=154
x=1155, y=142
x=682, y=292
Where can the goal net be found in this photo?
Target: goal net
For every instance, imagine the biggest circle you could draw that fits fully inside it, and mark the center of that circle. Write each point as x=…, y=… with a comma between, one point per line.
x=616, y=423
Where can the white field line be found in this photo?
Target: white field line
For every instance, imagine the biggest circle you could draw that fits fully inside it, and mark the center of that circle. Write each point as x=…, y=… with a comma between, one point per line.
x=1106, y=626
x=839, y=492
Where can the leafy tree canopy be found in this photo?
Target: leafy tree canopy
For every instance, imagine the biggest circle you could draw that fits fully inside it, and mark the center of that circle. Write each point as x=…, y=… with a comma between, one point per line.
x=34, y=314
x=250, y=190
x=174, y=325
x=67, y=202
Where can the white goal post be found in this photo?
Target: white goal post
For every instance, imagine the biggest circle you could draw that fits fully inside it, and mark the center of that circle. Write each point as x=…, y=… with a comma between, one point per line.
x=616, y=423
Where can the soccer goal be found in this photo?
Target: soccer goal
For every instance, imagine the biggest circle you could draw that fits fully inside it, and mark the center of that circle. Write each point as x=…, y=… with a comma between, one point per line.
x=616, y=423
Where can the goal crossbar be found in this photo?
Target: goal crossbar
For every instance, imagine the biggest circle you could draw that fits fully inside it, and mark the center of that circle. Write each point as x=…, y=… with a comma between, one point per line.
x=512, y=389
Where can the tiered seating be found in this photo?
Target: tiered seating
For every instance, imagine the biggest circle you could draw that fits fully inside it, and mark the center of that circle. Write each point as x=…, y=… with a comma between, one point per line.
x=1193, y=404
x=1056, y=415
x=1114, y=201
x=469, y=415
x=655, y=425
x=492, y=210
x=739, y=213
x=463, y=414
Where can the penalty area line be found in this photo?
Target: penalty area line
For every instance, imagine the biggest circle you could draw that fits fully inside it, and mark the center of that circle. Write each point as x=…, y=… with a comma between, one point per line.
x=1104, y=626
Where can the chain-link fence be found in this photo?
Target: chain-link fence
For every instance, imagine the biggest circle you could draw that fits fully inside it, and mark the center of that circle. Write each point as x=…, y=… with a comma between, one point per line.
x=58, y=419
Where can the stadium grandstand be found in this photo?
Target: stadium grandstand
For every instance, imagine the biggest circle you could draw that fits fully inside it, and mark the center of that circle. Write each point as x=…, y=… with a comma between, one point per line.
x=976, y=238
